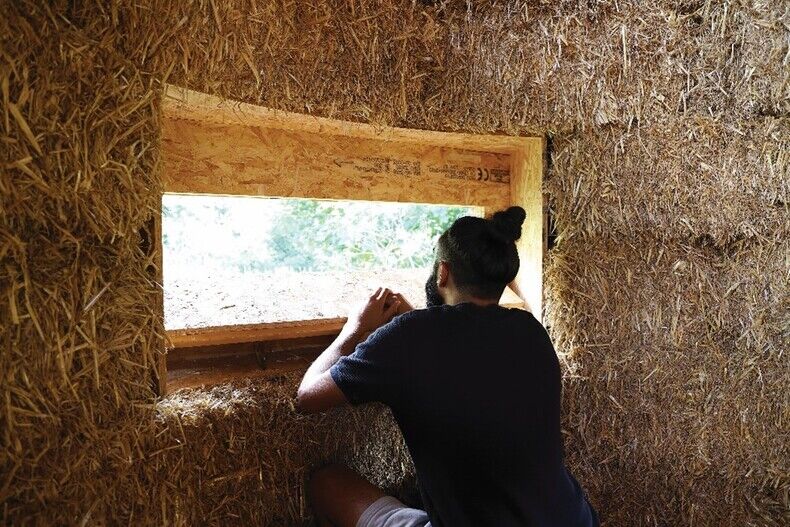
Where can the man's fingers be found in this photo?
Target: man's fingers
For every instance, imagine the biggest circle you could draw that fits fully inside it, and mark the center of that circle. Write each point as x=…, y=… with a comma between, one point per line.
x=392, y=310
x=404, y=304
x=394, y=297
x=382, y=294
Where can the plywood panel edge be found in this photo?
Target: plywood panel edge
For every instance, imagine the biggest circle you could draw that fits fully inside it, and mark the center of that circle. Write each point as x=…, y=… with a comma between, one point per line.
x=208, y=158
x=217, y=335
x=182, y=103
x=526, y=191
x=160, y=366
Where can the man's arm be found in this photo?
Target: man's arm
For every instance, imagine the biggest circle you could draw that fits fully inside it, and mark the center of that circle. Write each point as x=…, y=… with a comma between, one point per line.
x=318, y=391
x=514, y=287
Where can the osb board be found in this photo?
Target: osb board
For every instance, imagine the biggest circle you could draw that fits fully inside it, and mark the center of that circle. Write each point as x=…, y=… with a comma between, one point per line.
x=80, y=178
x=528, y=176
x=202, y=157
x=183, y=103
x=210, y=145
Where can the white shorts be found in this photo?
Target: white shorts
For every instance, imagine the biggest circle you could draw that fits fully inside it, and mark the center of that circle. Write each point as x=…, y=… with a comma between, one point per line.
x=390, y=512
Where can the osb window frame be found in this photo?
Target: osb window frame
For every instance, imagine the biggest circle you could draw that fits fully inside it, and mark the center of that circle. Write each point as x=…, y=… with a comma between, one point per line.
x=210, y=355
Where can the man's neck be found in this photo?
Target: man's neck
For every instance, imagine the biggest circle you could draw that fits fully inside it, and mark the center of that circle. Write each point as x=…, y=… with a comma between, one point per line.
x=461, y=298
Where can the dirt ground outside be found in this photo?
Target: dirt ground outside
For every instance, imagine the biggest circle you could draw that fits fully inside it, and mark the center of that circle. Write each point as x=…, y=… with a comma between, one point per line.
x=222, y=299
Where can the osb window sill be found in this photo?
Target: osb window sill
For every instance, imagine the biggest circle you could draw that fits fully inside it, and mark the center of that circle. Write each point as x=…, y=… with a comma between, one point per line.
x=217, y=355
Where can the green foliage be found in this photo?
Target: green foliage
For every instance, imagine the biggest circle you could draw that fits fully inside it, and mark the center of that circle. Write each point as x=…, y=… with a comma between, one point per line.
x=303, y=235
x=306, y=235
x=322, y=235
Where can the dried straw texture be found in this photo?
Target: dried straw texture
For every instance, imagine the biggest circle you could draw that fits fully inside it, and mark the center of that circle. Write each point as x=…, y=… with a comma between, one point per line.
x=654, y=179
x=509, y=67
x=666, y=293
x=677, y=377
x=79, y=322
x=242, y=453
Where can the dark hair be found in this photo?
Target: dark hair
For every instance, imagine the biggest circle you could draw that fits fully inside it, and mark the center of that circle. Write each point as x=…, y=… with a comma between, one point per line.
x=482, y=252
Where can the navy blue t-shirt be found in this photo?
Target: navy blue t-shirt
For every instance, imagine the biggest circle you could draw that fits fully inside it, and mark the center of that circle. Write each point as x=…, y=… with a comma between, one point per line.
x=476, y=393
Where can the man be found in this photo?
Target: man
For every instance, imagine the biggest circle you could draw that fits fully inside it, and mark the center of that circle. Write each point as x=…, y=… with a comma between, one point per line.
x=474, y=387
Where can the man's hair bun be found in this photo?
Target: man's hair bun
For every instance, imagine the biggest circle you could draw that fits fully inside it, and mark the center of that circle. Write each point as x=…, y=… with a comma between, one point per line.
x=482, y=256
x=506, y=224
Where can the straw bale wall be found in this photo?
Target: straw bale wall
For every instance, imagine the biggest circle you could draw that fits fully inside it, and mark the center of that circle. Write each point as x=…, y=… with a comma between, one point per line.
x=684, y=341
x=666, y=291
x=244, y=453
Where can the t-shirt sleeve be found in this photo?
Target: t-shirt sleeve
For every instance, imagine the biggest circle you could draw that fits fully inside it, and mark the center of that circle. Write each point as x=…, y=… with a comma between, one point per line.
x=373, y=372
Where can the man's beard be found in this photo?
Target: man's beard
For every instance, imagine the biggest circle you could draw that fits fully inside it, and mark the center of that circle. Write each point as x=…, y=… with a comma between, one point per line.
x=432, y=296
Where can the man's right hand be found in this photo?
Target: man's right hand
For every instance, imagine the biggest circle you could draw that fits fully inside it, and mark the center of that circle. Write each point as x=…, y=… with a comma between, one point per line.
x=373, y=313
x=403, y=305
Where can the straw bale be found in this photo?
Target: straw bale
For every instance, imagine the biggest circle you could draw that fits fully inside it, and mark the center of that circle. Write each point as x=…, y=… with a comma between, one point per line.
x=361, y=61
x=560, y=64
x=513, y=67
x=242, y=453
x=79, y=320
x=677, y=372
x=667, y=291
x=668, y=179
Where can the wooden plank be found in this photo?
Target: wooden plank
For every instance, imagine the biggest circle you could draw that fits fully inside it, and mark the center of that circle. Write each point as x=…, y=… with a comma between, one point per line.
x=526, y=192
x=271, y=348
x=206, y=365
x=208, y=373
x=276, y=331
x=160, y=367
x=244, y=160
x=212, y=364
x=181, y=103
x=212, y=336
x=510, y=299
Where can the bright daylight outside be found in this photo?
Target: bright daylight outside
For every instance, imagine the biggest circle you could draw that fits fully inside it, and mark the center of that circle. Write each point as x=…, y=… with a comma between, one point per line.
x=244, y=260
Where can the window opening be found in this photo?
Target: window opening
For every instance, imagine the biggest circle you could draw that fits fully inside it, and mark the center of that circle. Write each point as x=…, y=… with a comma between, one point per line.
x=232, y=260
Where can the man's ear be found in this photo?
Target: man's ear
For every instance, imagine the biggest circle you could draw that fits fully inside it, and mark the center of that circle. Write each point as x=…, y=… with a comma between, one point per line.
x=443, y=273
